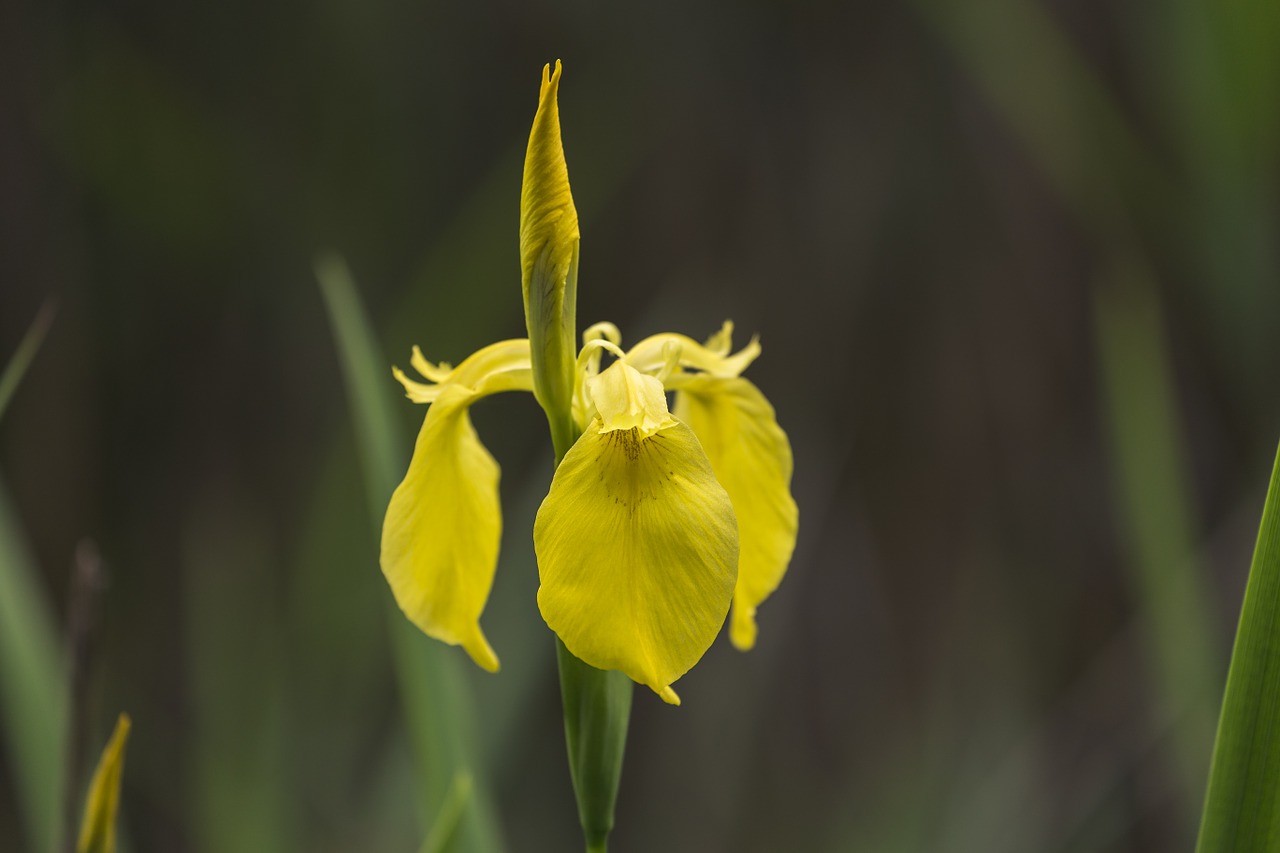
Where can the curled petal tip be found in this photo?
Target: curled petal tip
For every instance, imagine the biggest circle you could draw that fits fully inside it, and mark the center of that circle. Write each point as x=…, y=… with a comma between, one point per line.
x=550, y=78
x=668, y=695
x=742, y=628
x=481, y=652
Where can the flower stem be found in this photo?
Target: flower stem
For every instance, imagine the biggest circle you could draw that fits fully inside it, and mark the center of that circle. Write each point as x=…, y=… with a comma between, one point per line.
x=597, y=709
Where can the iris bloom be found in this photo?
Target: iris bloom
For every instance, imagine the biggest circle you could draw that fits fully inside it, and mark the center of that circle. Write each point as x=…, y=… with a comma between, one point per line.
x=657, y=518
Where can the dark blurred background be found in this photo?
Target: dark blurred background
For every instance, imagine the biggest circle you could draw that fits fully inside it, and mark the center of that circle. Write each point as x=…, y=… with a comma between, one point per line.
x=1014, y=265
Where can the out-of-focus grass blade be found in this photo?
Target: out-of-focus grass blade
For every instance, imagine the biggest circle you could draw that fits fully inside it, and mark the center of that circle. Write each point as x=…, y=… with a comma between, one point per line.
x=241, y=784
x=437, y=703
x=449, y=818
x=21, y=360
x=32, y=689
x=1159, y=523
x=1242, y=806
x=367, y=377
x=1044, y=89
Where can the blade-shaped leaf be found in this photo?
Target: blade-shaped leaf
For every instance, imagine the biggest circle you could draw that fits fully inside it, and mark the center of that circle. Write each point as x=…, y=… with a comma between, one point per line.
x=437, y=704
x=32, y=686
x=1242, y=807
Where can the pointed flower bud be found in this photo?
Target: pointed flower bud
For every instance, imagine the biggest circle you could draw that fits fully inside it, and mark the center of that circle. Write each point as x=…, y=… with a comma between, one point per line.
x=549, y=259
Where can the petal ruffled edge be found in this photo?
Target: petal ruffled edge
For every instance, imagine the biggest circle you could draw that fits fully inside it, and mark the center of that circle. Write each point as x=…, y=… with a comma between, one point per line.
x=503, y=366
x=655, y=352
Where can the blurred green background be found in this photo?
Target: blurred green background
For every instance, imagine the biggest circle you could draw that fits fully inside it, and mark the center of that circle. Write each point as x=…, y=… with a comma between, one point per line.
x=1015, y=266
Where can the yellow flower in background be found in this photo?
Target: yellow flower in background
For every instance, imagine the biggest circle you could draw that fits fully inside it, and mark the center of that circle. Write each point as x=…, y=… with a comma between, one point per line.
x=657, y=519
x=98, y=826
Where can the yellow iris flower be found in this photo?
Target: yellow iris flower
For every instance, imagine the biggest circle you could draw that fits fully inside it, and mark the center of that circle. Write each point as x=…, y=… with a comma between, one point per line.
x=656, y=520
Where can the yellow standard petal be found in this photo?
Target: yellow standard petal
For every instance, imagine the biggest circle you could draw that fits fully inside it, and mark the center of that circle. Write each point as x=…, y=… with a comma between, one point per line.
x=752, y=460
x=440, y=536
x=549, y=254
x=636, y=541
x=98, y=828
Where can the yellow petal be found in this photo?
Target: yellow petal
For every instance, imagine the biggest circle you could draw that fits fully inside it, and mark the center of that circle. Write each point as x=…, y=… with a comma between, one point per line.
x=752, y=460
x=637, y=548
x=651, y=353
x=549, y=254
x=440, y=536
x=98, y=828
x=503, y=366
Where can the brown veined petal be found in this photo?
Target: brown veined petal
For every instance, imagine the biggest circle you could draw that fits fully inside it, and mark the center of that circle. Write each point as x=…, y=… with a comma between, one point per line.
x=637, y=552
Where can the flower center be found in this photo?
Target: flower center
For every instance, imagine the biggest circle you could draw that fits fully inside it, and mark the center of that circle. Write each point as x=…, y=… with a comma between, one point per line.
x=627, y=399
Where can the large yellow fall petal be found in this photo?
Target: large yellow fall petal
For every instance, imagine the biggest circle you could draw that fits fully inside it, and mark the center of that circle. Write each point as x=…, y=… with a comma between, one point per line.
x=440, y=536
x=752, y=460
x=637, y=548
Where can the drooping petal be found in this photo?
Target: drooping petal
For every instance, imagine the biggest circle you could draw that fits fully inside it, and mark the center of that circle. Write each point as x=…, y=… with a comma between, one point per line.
x=637, y=548
x=440, y=536
x=752, y=460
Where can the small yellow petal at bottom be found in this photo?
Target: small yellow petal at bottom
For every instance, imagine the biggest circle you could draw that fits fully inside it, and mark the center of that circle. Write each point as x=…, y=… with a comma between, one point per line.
x=98, y=828
x=441, y=533
x=752, y=460
x=637, y=548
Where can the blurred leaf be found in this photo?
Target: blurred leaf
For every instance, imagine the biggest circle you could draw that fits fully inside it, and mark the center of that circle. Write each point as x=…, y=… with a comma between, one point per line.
x=1242, y=806
x=32, y=693
x=437, y=704
x=440, y=839
x=1150, y=460
x=1044, y=89
x=32, y=687
x=21, y=360
x=98, y=829
x=1215, y=72
x=242, y=791
x=366, y=373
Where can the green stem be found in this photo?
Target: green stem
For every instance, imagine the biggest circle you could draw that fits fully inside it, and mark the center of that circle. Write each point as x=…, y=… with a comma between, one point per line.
x=564, y=432
x=597, y=709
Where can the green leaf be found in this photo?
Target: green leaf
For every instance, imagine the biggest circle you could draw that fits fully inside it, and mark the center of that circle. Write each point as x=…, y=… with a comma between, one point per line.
x=1242, y=807
x=32, y=691
x=32, y=686
x=437, y=703
x=1159, y=527
x=448, y=819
